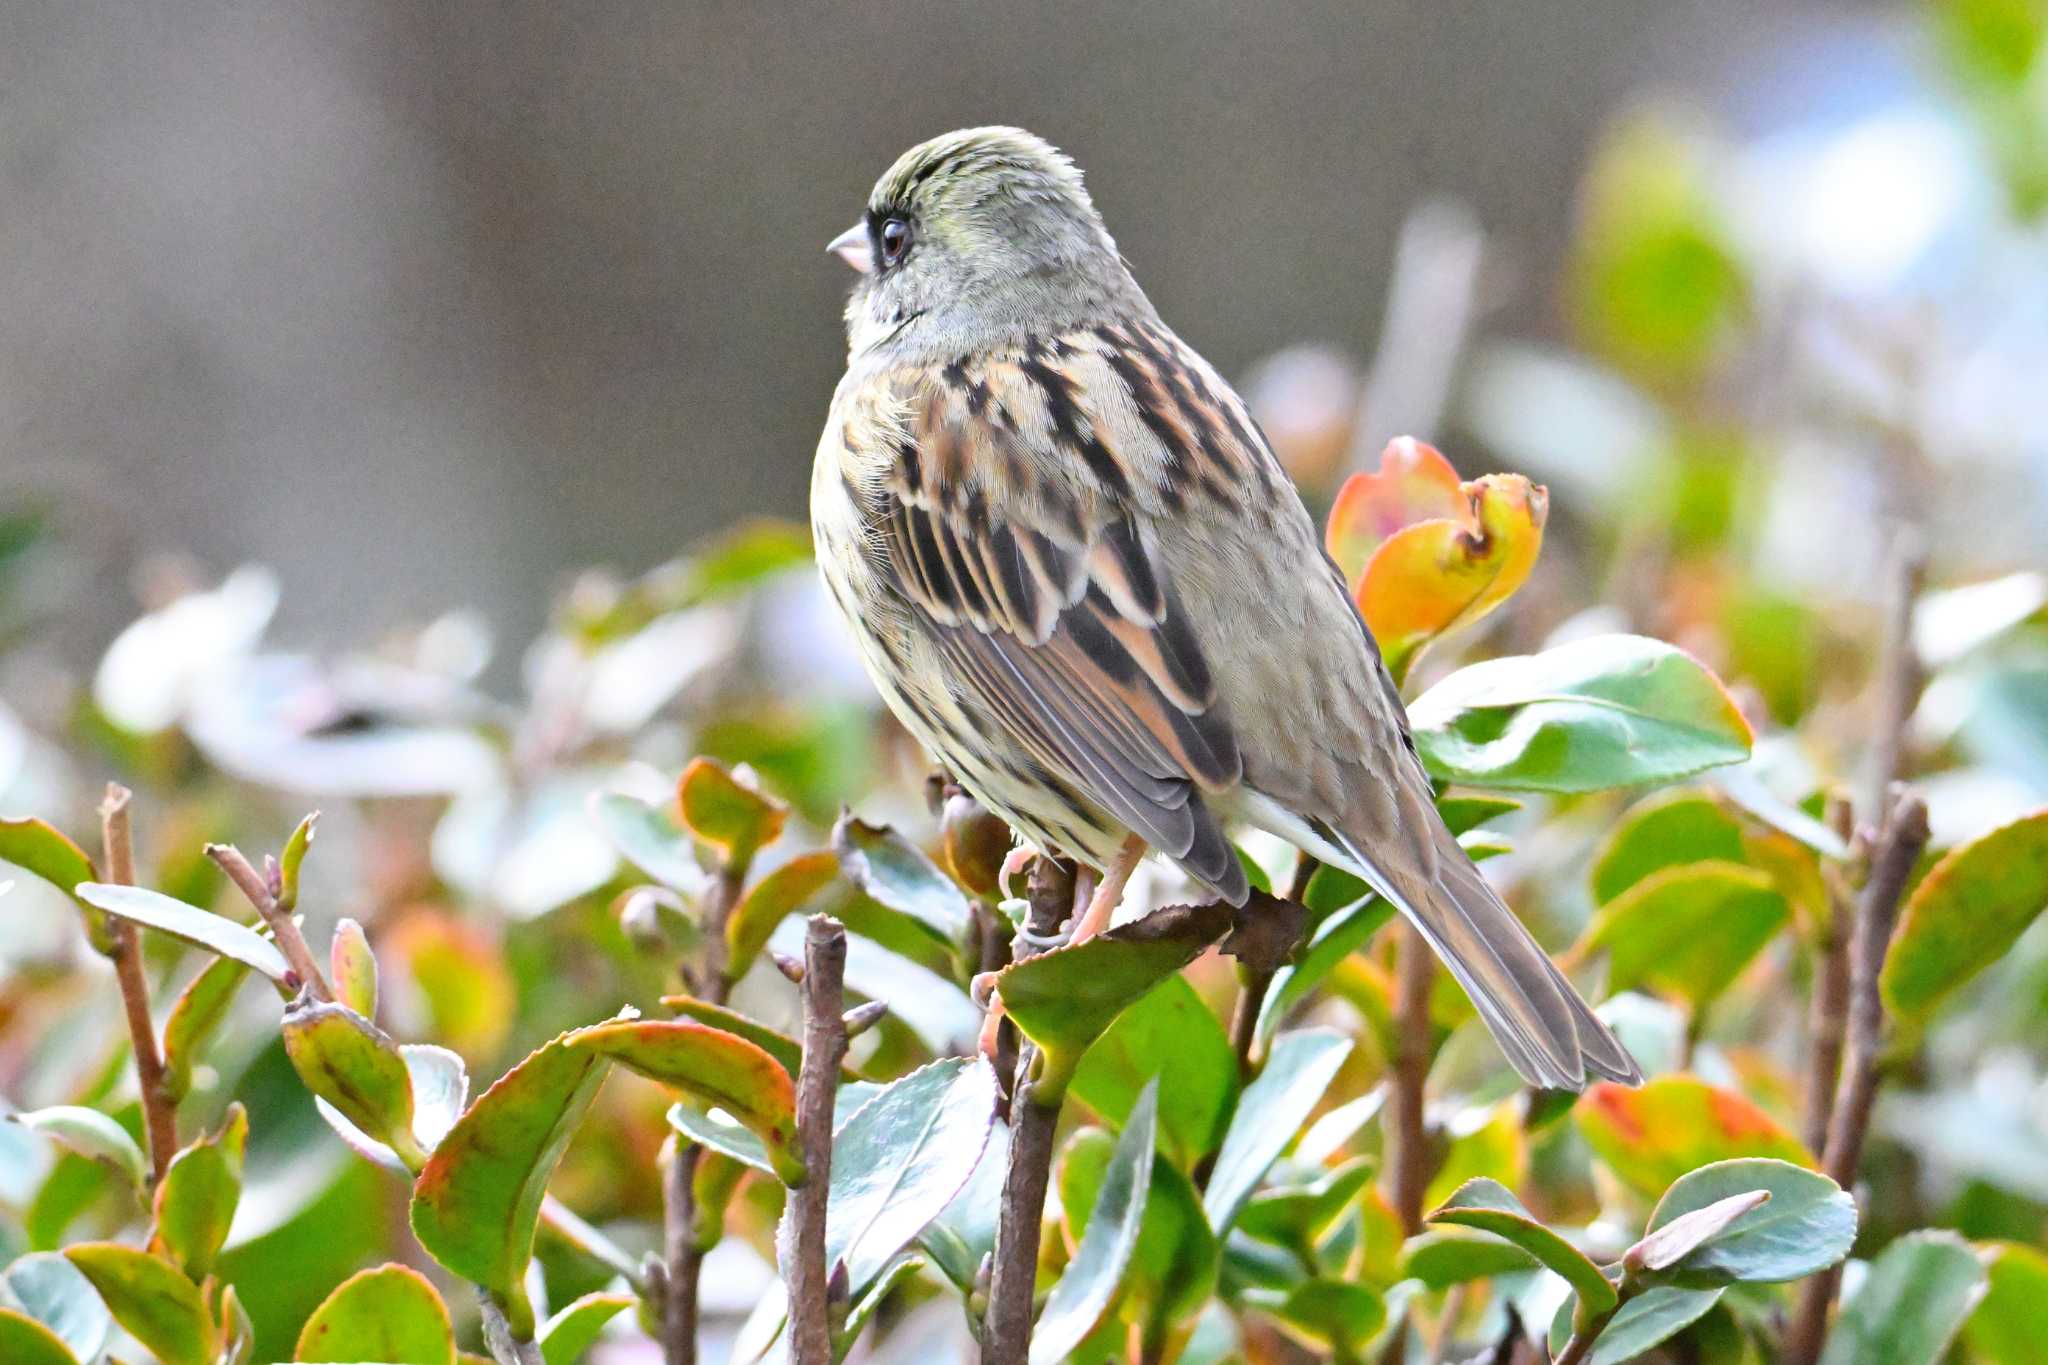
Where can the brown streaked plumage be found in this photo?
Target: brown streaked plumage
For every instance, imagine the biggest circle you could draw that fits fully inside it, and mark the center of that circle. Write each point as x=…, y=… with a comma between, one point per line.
x=1081, y=579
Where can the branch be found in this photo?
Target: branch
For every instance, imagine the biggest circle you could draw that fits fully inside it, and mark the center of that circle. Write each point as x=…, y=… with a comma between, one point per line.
x=159, y=1115
x=1255, y=979
x=1408, y=1174
x=1828, y=1016
x=682, y=1258
x=810, y=1279
x=1006, y=1334
x=505, y=1348
x=283, y=927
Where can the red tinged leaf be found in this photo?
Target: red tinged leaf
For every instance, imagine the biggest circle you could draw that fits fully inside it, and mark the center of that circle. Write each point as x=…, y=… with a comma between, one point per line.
x=726, y=813
x=1649, y=1137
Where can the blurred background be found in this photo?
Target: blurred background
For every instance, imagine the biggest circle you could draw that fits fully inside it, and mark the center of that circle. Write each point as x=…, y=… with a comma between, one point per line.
x=494, y=291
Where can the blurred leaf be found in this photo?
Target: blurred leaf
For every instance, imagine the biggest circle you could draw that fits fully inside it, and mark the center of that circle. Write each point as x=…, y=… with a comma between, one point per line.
x=1109, y=1240
x=91, y=1134
x=901, y=1158
x=815, y=752
x=24, y=1341
x=352, y=969
x=1652, y=1136
x=1469, y=810
x=152, y=1300
x=49, y=1289
x=1299, y=1068
x=568, y=1334
x=353, y=1065
x=782, y=892
x=894, y=872
x=200, y=928
x=1065, y=999
x=2010, y=1324
x=1328, y=1315
x=1965, y=914
x=390, y=1314
x=1948, y=625
x=458, y=978
x=238, y=1329
x=290, y=860
x=1809, y=1224
x=1643, y=1323
x=715, y=1067
x=1332, y=942
x=1174, y=1268
x=1442, y=1257
x=1298, y=1216
x=783, y=1048
x=1491, y=1207
x=1606, y=711
x=36, y=847
x=1687, y=930
x=1657, y=285
x=1497, y=1150
x=196, y=1199
x=475, y=1205
x=1426, y=575
x=1911, y=1305
x=1687, y=825
x=1168, y=1035
x=726, y=813
x=1993, y=42
x=650, y=838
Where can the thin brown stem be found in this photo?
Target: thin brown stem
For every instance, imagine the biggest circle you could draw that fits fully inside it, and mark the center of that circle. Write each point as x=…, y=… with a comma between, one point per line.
x=1006, y=1332
x=1828, y=1014
x=504, y=1347
x=159, y=1115
x=256, y=889
x=1408, y=1139
x=824, y=1000
x=682, y=1258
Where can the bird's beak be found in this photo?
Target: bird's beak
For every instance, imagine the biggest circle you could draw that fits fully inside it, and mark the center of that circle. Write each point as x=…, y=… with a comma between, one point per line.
x=851, y=246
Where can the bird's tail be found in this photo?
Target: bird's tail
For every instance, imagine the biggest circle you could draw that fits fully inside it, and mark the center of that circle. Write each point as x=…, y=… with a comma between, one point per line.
x=1549, y=1034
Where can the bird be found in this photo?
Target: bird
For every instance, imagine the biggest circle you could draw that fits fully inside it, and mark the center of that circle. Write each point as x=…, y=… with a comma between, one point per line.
x=1077, y=573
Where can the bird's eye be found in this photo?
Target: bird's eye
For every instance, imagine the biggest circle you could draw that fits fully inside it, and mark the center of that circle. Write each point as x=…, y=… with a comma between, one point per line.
x=895, y=239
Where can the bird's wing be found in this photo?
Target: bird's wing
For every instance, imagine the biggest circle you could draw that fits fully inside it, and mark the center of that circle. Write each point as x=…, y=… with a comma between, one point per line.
x=1010, y=515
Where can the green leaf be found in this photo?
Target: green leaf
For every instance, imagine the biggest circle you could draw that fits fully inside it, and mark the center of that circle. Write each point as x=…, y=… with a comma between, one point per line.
x=568, y=1334
x=238, y=1330
x=1065, y=999
x=348, y=1061
x=352, y=968
x=1467, y=811
x=900, y=1159
x=91, y=1134
x=1095, y=1272
x=1491, y=1207
x=715, y=1067
x=1299, y=1068
x=1173, y=1270
x=24, y=1341
x=201, y=1009
x=40, y=849
x=1808, y=1225
x=1168, y=1033
x=1645, y=1322
x=195, y=926
x=195, y=1201
x=476, y=1202
x=783, y=1048
x=159, y=1306
x=1912, y=1304
x=726, y=813
x=440, y=1087
x=650, y=838
x=1689, y=930
x=1609, y=711
x=1327, y=1315
x=1965, y=914
x=904, y=1267
x=1650, y=1137
x=1442, y=1257
x=1336, y=938
x=390, y=1314
x=782, y=892
x=1662, y=1248
x=721, y=1134
x=965, y=1230
x=289, y=861
x=1665, y=830
x=2011, y=1322
x=895, y=873
x=49, y=1289
x=1299, y=1216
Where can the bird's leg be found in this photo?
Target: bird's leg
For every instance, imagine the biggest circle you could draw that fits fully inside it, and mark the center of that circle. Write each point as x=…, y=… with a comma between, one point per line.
x=1107, y=896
